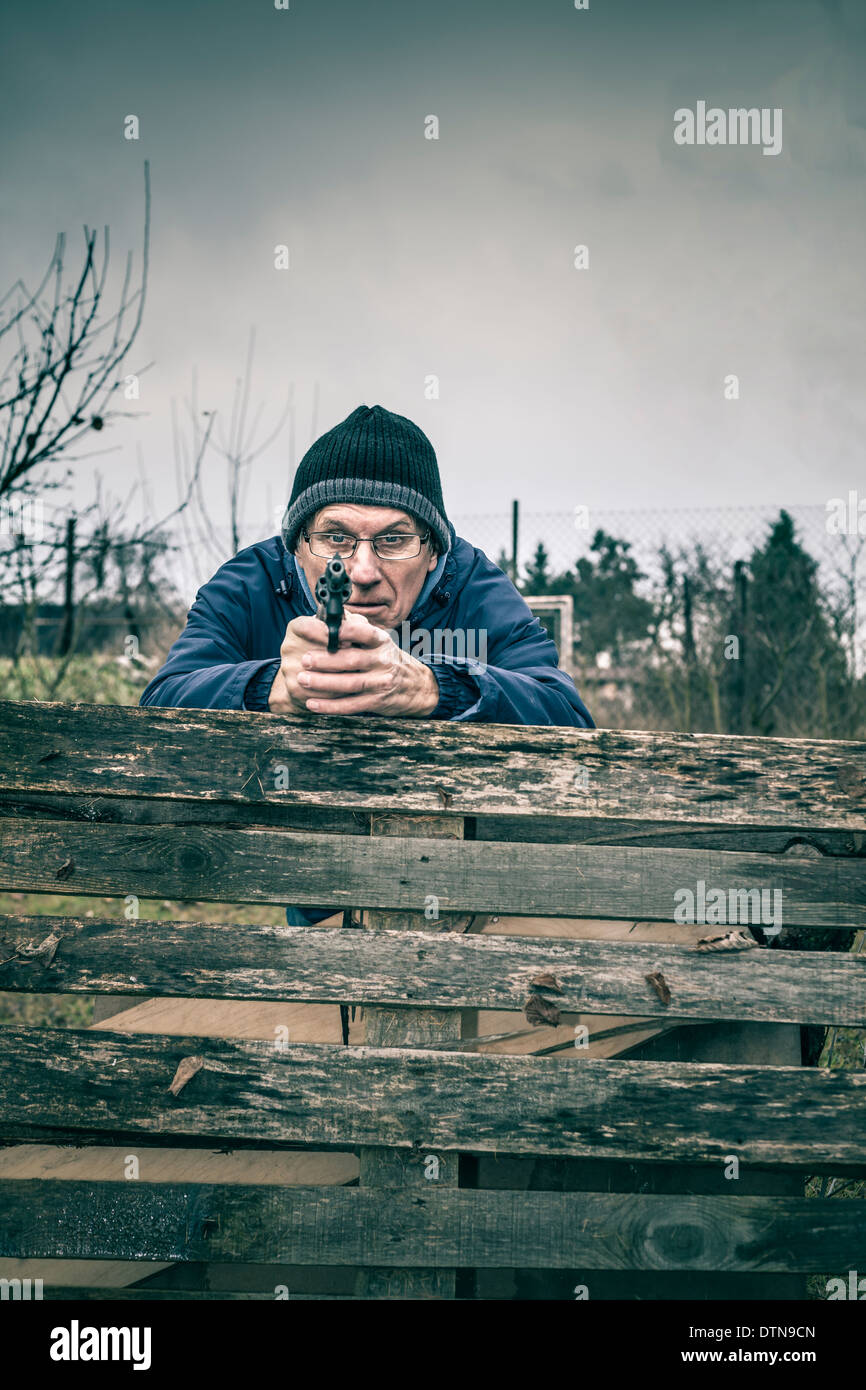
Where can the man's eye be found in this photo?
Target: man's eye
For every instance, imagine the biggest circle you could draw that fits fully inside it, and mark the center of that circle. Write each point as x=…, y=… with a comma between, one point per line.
x=336, y=536
x=392, y=540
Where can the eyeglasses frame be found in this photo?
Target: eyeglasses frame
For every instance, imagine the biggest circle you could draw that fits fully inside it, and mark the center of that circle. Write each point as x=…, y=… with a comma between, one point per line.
x=423, y=537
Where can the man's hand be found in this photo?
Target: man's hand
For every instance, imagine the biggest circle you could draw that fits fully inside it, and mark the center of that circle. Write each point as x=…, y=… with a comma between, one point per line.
x=368, y=674
x=286, y=696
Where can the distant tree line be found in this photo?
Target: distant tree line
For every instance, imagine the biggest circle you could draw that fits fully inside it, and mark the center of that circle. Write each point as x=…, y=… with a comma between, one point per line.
x=756, y=646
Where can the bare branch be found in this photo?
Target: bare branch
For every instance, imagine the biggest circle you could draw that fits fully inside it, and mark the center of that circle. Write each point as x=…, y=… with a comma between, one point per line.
x=64, y=383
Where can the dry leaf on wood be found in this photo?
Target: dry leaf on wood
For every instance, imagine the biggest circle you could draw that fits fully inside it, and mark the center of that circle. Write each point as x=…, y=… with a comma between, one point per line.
x=660, y=985
x=540, y=1010
x=66, y=870
x=48, y=948
x=547, y=981
x=186, y=1070
x=728, y=941
x=44, y=952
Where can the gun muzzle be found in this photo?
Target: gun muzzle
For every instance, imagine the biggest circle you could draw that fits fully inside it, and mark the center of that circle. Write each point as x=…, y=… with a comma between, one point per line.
x=332, y=592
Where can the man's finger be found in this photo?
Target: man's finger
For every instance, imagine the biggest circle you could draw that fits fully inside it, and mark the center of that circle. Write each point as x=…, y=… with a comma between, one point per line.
x=355, y=630
x=351, y=704
x=346, y=659
x=341, y=683
x=358, y=629
x=311, y=630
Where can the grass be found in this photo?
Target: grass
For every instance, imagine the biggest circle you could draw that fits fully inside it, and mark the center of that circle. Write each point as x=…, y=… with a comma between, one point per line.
x=89, y=680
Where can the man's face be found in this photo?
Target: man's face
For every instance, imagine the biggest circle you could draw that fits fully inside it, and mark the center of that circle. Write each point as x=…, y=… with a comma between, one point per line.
x=383, y=590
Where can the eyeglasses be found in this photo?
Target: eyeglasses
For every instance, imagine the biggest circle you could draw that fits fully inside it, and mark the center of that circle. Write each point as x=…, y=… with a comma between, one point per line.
x=391, y=545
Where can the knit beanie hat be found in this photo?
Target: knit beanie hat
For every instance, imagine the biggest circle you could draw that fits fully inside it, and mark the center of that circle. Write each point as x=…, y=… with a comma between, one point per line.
x=373, y=457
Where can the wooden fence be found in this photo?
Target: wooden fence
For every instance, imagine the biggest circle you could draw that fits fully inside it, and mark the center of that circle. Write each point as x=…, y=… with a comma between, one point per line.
x=444, y=1160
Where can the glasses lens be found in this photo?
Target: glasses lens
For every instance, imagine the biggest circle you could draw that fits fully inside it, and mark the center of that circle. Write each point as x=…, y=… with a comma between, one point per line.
x=400, y=546
x=331, y=543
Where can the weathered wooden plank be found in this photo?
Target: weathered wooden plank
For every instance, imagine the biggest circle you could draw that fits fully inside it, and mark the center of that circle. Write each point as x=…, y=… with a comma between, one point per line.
x=402, y=1027
x=435, y=1229
x=754, y=839
x=151, y=810
x=241, y=865
x=59, y=1293
x=432, y=766
x=531, y=829
x=101, y=1163
x=61, y=1082
x=417, y=970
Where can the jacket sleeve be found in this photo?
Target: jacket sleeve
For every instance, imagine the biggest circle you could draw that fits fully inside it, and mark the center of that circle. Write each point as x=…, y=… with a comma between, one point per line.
x=208, y=667
x=521, y=683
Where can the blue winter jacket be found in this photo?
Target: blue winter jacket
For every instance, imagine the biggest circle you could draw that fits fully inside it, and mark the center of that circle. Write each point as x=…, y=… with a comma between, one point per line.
x=228, y=653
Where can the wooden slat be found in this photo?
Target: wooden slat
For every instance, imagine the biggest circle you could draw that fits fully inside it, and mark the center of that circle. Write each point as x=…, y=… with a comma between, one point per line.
x=433, y=767
x=238, y=865
x=112, y=1085
x=814, y=841
x=86, y=1293
x=438, y=1228
x=415, y=970
x=151, y=810
x=401, y=1027
x=491, y=1029
x=100, y=1163
x=91, y=809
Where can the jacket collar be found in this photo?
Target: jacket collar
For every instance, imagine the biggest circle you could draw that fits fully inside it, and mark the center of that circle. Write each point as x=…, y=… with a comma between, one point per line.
x=438, y=590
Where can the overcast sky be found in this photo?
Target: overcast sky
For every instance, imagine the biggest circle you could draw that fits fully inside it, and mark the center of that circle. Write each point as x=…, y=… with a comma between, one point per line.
x=454, y=257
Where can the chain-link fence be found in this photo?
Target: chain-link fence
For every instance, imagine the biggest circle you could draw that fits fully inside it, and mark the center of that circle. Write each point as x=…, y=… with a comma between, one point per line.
x=726, y=534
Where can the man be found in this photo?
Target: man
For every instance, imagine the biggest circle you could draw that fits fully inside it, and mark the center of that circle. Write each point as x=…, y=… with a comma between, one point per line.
x=369, y=491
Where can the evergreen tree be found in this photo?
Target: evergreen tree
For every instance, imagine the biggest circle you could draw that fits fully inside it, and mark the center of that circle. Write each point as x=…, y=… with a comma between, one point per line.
x=795, y=678
x=537, y=579
x=608, y=613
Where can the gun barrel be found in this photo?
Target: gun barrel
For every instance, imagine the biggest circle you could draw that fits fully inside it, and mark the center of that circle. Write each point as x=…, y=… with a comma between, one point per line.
x=332, y=591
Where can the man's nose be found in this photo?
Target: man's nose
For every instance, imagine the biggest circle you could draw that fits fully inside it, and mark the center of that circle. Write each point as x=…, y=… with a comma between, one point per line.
x=363, y=567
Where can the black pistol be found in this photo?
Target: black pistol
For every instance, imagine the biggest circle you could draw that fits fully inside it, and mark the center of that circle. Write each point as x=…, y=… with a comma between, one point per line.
x=332, y=591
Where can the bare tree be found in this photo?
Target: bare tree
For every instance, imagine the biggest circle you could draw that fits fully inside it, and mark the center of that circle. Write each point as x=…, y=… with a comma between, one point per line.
x=238, y=446
x=204, y=526
x=66, y=353
x=91, y=558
